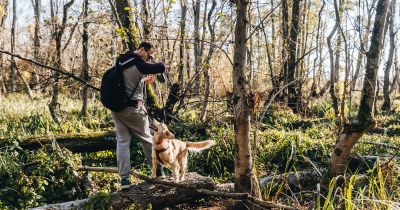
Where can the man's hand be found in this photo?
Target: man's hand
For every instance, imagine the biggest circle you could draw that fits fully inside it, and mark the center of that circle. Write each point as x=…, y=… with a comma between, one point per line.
x=149, y=79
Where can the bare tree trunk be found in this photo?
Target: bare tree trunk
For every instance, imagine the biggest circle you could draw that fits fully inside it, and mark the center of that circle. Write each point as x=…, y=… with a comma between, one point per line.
x=352, y=132
x=317, y=41
x=211, y=28
x=182, y=43
x=85, y=62
x=58, y=33
x=392, y=34
x=363, y=39
x=145, y=20
x=3, y=16
x=285, y=43
x=13, y=73
x=125, y=17
x=196, y=47
x=294, y=99
x=245, y=179
x=396, y=75
x=36, y=43
x=332, y=89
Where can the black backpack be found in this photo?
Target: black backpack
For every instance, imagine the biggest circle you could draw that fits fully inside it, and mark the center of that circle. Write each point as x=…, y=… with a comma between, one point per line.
x=112, y=91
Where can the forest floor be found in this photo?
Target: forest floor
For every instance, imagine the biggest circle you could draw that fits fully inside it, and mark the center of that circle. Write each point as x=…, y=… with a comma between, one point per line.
x=285, y=143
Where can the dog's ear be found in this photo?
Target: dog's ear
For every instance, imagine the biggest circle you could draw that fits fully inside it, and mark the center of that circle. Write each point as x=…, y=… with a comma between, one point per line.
x=168, y=135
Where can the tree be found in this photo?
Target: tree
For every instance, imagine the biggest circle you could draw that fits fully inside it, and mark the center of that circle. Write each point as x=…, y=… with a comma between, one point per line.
x=58, y=32
x=121, y=9
x=245, y=180
x=386, y=93
x=365, y=120
x=13, y=74
x=85, y=62
x=36, y=41
x=182, y=43
x=294, y=93
x=196, y=48
x=3, y=15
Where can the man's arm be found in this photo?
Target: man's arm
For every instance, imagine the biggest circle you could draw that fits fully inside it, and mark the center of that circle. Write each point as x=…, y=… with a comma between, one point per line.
x=150, y=68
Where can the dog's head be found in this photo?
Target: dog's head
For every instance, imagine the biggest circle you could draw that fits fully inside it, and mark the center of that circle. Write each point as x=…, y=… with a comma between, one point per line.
x=161, y=131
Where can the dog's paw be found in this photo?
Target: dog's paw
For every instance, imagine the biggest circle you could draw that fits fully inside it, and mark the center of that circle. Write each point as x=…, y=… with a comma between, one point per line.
x=176, y=180
x=153, y=176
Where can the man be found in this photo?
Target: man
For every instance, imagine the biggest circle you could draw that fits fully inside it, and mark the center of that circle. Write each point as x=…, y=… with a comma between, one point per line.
x=133, y=119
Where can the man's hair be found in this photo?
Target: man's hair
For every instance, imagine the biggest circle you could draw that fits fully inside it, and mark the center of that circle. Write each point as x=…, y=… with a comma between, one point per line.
x=147, y=46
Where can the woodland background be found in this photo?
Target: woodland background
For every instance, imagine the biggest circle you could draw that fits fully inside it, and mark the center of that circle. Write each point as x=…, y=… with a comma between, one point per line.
x=305, y=89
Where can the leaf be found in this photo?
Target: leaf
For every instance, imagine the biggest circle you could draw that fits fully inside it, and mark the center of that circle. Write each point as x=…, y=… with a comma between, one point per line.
x=127, y=8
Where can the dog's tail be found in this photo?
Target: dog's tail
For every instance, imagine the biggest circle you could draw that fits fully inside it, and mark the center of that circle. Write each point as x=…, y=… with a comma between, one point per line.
x=200, y=145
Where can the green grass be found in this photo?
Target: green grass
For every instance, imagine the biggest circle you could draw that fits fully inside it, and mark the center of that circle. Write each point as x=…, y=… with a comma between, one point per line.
x=286, y=143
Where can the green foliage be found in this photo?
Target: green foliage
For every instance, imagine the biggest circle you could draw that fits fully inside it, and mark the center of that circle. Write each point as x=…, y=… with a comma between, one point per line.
x=99, y=201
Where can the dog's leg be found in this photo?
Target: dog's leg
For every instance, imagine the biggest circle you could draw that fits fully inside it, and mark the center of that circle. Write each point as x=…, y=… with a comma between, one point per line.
x=184, y=159
x=175, y=171
x=154, y=166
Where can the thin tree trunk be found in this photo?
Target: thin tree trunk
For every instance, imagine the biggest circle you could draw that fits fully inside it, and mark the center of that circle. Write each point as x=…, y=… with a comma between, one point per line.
x=396, y=75
x=317, y=45
x=285, y=43
x=125, y=17
x=352, y=132
x=58, y=33
x=363, y=40
x=332, y=89
x=36, y=43
x=13, y=73
x=85, y=62
x=182, y=43
x=3, y=16
x=145, y=20
x=196, y=47
x=294, y=99
x=245, y=179
x=386, y=94
x=211, y=29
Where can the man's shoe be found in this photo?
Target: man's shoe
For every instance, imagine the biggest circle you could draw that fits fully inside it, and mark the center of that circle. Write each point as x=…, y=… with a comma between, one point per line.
x=125, y=183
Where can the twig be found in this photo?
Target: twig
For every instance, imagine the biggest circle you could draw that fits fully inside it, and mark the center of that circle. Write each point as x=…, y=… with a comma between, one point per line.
x=51, y=68
x=246, y=196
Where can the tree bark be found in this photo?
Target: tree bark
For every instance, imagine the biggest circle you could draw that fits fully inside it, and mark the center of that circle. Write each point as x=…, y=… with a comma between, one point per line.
x=123, y=11
x=365, y=121
x=294, y=94
x=3, y=16
x=145, y=20
x=57, y=35
x=332, y=88
x=36, y=42
x=91, y=142
x=196, y=47
x=386, y=94
x=13, y=73
x=211, y=29
x=245, y=180
x=85, y=61
x=182, y=43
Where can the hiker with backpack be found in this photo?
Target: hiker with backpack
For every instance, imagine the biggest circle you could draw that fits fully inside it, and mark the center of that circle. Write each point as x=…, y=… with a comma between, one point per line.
x=122, y=91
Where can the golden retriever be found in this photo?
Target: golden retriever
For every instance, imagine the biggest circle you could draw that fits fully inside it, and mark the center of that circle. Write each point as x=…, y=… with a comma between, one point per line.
x=172, y=152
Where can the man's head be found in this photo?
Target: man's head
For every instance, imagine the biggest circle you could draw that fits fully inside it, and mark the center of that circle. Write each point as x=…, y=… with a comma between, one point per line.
x=145, y=50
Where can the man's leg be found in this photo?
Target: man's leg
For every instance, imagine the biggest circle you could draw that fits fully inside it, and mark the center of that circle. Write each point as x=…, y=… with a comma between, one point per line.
x=123, y=146
x=138, y=122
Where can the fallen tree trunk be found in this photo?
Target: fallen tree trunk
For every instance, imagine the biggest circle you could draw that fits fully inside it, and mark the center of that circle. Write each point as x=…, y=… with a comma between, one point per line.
x=145, y=194
x=160, y=193
x=86, y=142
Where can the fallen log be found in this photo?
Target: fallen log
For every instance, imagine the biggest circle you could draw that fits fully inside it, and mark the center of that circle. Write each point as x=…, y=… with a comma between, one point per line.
x=161, y=193
x=82, y=142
